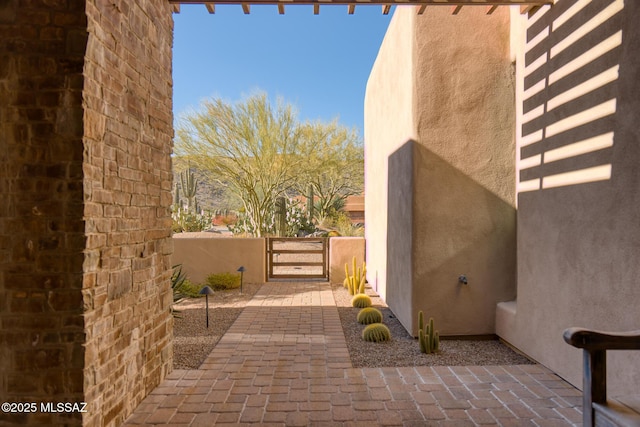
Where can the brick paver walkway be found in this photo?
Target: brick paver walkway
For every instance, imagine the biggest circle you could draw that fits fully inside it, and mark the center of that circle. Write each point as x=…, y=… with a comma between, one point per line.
x=284, y=362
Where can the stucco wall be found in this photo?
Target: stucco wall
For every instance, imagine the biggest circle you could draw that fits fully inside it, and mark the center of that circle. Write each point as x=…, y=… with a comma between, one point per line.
x=389, y=123
x=446, y=197
x=578, y=230
x=200, y=254
x=464, y=219
x=341, y=251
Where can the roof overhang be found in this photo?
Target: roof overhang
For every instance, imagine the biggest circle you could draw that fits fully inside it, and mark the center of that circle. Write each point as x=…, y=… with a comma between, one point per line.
x=526, y=6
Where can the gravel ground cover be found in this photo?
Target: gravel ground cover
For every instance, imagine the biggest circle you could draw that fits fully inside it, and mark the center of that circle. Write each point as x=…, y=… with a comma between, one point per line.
x=193, y=341
x=403, y=349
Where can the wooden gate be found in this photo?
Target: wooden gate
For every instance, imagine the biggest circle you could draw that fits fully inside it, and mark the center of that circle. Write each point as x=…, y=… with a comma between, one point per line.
x=297, y=258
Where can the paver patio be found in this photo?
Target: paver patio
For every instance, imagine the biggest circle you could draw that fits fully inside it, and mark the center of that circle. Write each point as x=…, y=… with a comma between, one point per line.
x=285, y=362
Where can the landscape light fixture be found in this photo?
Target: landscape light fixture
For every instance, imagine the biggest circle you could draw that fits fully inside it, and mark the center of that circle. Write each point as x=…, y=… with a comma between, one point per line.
x=206, y=291
x=241, y=270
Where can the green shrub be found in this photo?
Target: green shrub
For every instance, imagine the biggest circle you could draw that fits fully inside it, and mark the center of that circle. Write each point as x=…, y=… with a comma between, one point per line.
x=376, y=332
x=185, y=220
x=369, y=315
x=191, y=290
x=361, y=301
x=223, y=281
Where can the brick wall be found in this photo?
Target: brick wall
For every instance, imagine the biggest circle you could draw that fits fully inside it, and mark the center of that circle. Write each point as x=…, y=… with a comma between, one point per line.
x=127, y=184
x=41, y=213
x=85, y=178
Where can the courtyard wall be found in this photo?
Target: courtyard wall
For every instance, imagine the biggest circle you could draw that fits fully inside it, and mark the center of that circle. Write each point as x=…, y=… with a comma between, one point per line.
x=201, y=254
x=578, y=184
x=439, y=170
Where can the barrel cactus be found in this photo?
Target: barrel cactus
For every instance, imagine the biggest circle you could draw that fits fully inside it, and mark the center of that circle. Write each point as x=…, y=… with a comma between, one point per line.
x=369, y=315
x=376, y=332
x=361, y=301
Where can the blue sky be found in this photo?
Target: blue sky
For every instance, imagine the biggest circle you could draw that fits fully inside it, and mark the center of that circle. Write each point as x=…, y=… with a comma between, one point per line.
x=320, y=63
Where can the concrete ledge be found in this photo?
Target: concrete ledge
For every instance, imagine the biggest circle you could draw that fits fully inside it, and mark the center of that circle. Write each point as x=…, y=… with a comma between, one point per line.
x=506, y=320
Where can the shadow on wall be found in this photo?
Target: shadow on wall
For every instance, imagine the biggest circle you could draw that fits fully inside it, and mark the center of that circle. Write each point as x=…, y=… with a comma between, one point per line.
x=443, y=224
x=570, y=97
x=578, y=201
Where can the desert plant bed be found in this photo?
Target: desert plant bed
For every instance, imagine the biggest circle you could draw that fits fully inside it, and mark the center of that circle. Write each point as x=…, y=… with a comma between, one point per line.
x=403, y=349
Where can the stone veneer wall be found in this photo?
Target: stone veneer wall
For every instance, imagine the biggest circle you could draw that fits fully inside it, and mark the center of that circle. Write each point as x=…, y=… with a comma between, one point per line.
x=85, y=142
x=42, y=49
x=127, y=166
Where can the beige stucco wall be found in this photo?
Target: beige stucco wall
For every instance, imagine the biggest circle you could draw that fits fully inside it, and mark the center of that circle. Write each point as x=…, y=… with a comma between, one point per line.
x=201, y=254
x=578, y=242
x=439, y=162
x=341, y=251
x=388, y=124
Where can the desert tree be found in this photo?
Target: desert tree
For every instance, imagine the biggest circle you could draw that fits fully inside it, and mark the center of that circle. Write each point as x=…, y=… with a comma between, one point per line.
x=251, y=146
x=335, y=168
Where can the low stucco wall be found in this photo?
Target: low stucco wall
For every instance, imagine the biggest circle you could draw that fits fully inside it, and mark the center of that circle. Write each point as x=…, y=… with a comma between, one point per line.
x=341, y=252
x=439, y=170
x=201, y=254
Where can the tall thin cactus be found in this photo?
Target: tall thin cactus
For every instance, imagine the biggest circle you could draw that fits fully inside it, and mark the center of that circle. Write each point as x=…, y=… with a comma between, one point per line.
x=428, y=337
x=176, y=195
x=281, y=217
x=355, y=282
x=189, y=186
x=310, y=206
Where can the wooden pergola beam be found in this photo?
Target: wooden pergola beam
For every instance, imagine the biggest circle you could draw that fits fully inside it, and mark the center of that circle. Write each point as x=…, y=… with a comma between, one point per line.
x=526, y=6
x=530, y=9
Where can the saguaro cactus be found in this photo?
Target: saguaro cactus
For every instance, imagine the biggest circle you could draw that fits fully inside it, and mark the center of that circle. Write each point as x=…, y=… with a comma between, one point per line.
x=189, y=186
